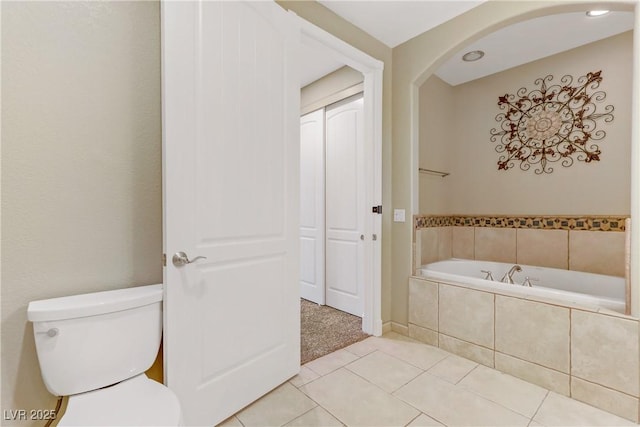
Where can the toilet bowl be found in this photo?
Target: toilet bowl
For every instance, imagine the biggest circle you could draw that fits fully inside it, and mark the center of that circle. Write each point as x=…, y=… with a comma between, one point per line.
x=95, y=349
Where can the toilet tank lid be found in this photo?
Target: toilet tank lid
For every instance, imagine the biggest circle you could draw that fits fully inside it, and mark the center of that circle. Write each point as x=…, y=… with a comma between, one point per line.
x=93, y=304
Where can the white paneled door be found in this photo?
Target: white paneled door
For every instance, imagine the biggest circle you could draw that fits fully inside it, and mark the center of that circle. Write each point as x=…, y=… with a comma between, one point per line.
x=345, y=206
x=312, y=207
x=231, y=203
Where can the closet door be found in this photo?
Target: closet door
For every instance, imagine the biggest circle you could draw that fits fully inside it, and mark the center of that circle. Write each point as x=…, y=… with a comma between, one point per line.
x=345, y=205
x=312, y=207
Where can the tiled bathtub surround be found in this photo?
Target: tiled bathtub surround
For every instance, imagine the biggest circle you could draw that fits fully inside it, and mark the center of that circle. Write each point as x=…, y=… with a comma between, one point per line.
x=593, y=245
x=590, y=356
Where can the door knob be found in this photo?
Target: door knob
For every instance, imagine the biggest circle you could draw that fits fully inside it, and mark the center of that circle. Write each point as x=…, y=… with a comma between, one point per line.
x=180, y=258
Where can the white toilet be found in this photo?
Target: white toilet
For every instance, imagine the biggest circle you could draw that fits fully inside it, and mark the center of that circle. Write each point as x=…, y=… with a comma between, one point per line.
x=95, y=349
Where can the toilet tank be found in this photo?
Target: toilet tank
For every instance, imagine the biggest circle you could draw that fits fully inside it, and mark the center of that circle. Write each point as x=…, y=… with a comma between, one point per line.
x=89, y=341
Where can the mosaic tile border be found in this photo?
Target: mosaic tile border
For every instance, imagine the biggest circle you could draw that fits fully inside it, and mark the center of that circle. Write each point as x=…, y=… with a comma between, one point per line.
x=592, y=223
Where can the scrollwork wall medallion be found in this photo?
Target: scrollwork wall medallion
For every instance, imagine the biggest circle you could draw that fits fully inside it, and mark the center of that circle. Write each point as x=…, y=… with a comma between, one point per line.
x=551, y=123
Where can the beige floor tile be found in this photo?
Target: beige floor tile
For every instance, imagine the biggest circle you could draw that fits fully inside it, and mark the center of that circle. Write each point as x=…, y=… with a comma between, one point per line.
x=317, y=417
x=411, y=351
x=510, y=392
x=282, y=405
x=455, y=406
x=357, y=402
x=424, y=421
x=305, y=376
x=453, y=368
x=332, y=361
x=383, y=370
x=362, y=348
x=557, y=410
x=231, y=422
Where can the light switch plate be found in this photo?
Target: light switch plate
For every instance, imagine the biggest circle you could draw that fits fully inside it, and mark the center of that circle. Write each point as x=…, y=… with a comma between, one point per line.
x=398, y=215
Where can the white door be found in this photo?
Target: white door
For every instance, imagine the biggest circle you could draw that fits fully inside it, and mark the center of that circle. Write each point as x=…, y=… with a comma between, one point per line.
x=312, y=206
x=345, y=206
x=231, y=172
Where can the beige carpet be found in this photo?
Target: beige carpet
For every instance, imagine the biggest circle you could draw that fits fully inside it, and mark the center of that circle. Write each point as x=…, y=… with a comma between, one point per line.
x=324, y=330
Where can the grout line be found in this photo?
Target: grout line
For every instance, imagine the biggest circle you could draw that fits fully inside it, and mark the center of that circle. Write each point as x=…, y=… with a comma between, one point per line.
x=304, y=413
x=495, y=400
x=539, y=406
x=414, y=418
x=604, y=387
x=494, y=330
x=418, y=409
x=529, y=361
x=517, y=262
x=474, y=242
x=377, y=386
x=568, y=250
x=467, y=374
x=438, y=315
x=570, y=355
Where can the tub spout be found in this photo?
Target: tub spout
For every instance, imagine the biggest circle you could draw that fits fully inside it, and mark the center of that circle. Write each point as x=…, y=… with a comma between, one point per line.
x=508, y=277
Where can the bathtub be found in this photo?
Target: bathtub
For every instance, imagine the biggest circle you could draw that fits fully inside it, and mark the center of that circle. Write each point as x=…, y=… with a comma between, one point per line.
x=565, y=287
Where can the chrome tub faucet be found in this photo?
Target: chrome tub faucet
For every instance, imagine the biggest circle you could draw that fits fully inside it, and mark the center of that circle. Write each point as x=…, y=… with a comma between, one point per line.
x=508, y=277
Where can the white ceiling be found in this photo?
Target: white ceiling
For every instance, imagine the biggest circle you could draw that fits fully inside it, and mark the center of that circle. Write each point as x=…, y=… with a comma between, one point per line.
x=531, y=40
x=394, y=22
x=391, y=22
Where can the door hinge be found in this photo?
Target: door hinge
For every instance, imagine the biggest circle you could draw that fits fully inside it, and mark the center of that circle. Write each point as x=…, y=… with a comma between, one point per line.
x=377, y=209
x=164, y=260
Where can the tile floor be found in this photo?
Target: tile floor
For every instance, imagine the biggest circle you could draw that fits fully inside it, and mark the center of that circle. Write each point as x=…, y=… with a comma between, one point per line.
x=396, y=381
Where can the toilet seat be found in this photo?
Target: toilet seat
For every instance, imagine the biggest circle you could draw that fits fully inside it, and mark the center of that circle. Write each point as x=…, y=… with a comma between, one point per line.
x=138, y=401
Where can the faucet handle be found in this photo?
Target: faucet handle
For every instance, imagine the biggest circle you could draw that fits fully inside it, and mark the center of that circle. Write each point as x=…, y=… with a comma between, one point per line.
x=527, y=281
x=488, y=276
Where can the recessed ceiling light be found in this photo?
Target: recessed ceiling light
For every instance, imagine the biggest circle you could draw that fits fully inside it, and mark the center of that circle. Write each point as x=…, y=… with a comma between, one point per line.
x=594, y=13
x=474, y=55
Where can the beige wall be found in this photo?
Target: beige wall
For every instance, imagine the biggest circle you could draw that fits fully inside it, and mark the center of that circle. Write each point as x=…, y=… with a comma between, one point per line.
x=438, y=121
x=329, y=89
x=81, y=164
x=413, y=62
x=599, y=188
x=332, y=23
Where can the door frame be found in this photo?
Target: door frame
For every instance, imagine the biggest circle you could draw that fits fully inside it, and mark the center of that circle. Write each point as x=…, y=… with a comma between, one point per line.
x=371, y=69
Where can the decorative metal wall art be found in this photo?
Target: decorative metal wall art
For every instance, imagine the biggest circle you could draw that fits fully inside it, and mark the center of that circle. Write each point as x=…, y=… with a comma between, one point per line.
x=551, y=123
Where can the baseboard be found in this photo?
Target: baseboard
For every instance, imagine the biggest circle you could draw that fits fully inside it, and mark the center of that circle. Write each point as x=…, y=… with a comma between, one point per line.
x=399, y=328
x=386, y=327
